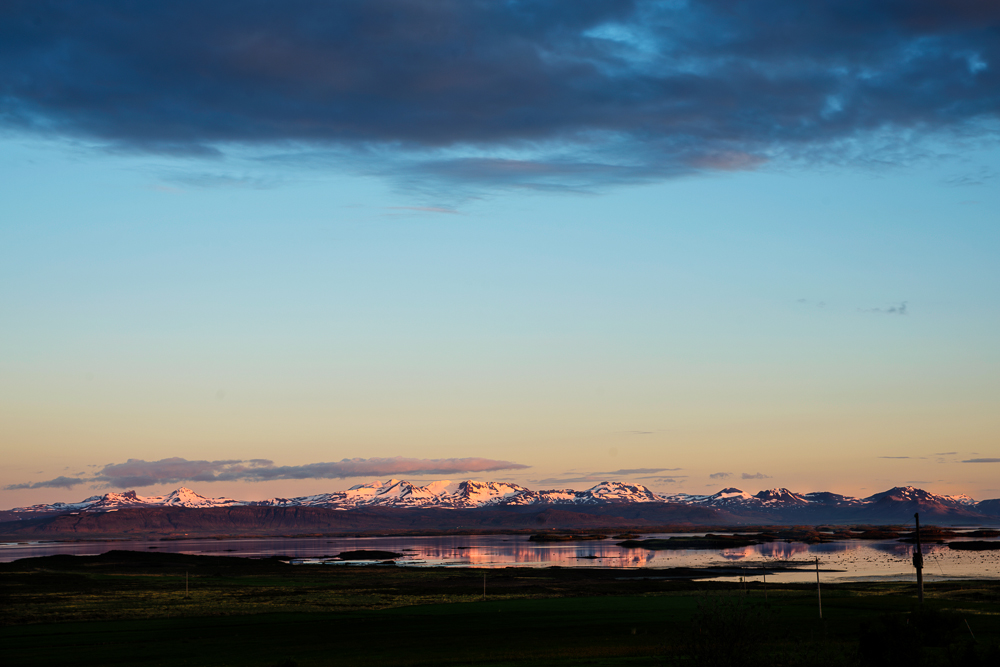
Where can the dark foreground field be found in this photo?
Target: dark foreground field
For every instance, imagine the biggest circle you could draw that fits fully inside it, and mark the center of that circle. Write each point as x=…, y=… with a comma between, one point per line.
x=128, y=608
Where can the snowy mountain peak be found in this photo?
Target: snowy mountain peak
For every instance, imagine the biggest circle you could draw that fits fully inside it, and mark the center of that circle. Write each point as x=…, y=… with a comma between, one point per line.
x=185, y=497
x=471, y=493
x=731, y=497
x=780, y=496
x=182, y=494
x=621, y=492
x=116, y=500
x=124, y=496
x=439, y=487
x=182, y=497
x=903, y=493
x=831, y=499
x=921, y=497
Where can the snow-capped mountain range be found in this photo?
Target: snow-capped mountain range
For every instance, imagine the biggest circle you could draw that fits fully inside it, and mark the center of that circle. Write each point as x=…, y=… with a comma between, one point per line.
x=182, y=497
x=471, y=494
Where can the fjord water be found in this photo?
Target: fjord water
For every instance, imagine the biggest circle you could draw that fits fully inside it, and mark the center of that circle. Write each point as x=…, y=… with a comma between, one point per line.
x=846, y=560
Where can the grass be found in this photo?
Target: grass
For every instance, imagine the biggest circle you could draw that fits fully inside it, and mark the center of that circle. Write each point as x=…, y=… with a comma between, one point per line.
x=131, y=608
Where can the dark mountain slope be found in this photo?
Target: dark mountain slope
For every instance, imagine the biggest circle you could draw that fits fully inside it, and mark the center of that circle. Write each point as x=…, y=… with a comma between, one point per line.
x=163, y=521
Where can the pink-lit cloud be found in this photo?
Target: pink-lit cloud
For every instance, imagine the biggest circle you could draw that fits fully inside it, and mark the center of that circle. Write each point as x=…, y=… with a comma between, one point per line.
x=139, y=473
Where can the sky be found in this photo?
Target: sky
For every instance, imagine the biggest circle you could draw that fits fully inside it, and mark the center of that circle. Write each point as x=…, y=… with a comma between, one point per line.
x=274, y=249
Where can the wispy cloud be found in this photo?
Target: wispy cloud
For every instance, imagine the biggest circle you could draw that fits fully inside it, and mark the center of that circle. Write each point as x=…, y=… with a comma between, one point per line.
x=609, y=476
x=549, y=95
x=581, y=479
x=818, y=304
x=897, y=309
x=57, y=483
x=979, y=177
x=139, y=473
x=756, y=475
x=981, y=461
x=657, y=477
x=220, y=180
x=720, y=475
x=423, y=209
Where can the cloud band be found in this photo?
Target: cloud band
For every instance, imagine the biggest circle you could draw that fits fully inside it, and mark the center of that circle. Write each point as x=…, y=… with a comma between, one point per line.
x=550, y=93
x=139, y=473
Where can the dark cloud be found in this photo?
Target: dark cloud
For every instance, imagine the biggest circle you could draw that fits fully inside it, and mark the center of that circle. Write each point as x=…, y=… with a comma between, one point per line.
x=57, y=483
x=720, y=475
x=982, y=461
x=758, y=475
x=139, y=473
x=553, y=94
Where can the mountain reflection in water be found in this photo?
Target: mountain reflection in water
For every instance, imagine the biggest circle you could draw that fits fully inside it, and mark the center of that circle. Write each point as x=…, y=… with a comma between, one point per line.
x=840, y=560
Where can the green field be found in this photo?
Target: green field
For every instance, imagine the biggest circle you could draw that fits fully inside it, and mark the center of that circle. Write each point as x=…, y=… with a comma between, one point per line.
x=126, y=609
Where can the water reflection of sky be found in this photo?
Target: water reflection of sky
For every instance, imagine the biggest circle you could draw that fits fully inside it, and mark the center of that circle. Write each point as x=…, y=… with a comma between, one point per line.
x=839, y=561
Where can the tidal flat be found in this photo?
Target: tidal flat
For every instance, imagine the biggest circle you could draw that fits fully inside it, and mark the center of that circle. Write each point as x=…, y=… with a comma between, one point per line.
x=131, y=608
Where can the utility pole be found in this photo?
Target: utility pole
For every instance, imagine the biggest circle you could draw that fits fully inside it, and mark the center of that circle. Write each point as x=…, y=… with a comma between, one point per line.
x=819, y=595
x=918, y=563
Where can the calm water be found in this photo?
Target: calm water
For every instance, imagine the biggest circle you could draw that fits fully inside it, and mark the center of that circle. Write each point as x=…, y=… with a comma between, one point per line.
x=850, y=560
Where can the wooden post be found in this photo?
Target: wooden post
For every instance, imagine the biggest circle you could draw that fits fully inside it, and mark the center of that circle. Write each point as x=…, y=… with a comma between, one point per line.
x=765, y=584
x=970, y=630
x=185, y=583
x=918, y=562
x=819, y=595
x=484, y=585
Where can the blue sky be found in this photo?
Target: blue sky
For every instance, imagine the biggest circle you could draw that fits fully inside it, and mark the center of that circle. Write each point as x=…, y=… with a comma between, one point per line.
x=558, y=270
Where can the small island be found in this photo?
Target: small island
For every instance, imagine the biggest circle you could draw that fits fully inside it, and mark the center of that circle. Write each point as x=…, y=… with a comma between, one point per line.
x=364, y=554
x=705, y=542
